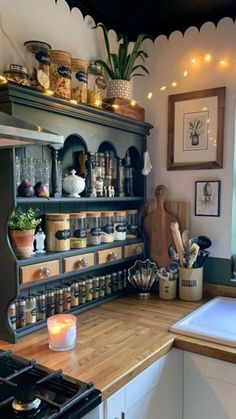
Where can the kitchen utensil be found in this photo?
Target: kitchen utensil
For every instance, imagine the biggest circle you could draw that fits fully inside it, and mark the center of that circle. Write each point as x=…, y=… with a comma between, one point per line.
x=191, y=256
x=142, y=276
x=157, y=228
x=173, y=255
x=201, y=258
x=186, y=239
x=178, y=241
x=203, y=241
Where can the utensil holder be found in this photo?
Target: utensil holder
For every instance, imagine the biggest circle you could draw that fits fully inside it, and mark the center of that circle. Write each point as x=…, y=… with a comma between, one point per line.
x=190, y=284
x=167, y=289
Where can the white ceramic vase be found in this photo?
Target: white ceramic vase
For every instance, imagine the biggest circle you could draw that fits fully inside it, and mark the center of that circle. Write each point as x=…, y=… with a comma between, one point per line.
x=120, y=88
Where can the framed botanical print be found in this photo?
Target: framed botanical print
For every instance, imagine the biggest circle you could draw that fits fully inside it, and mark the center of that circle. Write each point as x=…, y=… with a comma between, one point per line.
x=196, y=130
x=207, y=198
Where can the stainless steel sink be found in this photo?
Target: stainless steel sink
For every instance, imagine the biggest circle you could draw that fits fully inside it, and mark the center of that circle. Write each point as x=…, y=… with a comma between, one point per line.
x=215, y=321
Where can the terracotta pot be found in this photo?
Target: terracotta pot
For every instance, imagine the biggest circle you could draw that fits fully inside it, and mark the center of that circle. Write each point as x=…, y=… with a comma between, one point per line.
x=22, y=242
x=120, y=88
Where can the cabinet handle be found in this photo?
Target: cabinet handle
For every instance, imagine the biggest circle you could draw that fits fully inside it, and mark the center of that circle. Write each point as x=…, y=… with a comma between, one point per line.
x=112, y=256
x=44, y=272
x=122, y=415
x=83, y=263
x=139, y=250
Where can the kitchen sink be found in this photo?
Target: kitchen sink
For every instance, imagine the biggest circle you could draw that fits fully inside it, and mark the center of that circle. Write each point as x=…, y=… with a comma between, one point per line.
x=214, y=321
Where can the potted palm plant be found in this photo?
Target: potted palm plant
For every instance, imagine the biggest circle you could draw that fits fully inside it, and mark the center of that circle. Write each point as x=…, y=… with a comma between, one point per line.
x=21, y=231
x=121, y=67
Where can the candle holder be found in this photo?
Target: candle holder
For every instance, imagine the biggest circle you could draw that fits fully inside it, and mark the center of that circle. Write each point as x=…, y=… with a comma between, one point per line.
x=62, y=332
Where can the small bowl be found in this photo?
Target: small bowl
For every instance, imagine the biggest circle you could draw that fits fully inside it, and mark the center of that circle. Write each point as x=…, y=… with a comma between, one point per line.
x=142, y=275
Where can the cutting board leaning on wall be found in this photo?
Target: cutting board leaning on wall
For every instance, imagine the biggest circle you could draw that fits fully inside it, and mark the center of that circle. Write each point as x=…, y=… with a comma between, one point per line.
x=158, y=215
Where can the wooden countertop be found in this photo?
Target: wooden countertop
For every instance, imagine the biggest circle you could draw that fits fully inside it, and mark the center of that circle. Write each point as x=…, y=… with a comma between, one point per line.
x=118, y=340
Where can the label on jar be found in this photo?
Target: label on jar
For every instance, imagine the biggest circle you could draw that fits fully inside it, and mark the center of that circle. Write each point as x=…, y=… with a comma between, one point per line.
x=42, y=57
x=132, y=228
x=33, y=312
x=121, y=228
x=108, y=229
x=79, y=234
x=62, y=234
x=81, y=76
x=96, y=231
x=64, y=72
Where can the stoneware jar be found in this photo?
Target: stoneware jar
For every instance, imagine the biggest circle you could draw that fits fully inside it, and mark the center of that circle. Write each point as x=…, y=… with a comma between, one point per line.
x=73, y=184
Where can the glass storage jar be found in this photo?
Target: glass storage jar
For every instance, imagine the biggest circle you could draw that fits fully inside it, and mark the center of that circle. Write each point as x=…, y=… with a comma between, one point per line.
x=119, y=225
x=82, y=291
x=50, y=302
x=58, y=300
x=57, y=232
x=107, y=226
x=78, y=237
x=79, y=80
x=89, y=289
x=31, y=309
x=39, y=64
x=96, y=85
x=74, y=294
x=94, y=228
x=60, y=74
x=17, y=74
x=41, y=306
x=132, y=224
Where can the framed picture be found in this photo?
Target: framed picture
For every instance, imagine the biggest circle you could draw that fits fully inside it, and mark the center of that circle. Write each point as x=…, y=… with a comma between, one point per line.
x=196, y=130
x=207, y=198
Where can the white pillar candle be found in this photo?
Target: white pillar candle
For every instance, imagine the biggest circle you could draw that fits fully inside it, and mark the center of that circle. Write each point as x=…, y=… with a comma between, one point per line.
x=62, y=332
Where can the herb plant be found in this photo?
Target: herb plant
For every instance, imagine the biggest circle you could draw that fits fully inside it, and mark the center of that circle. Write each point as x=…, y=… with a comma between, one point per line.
x=27, y=220
x=122, y=65
x=195, y=127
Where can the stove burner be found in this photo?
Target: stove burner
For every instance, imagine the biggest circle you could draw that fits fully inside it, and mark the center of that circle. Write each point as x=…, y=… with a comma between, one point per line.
x=20, y=406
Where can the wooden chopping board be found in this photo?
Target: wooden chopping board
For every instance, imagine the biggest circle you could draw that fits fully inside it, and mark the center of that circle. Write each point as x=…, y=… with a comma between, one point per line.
x=156, y=224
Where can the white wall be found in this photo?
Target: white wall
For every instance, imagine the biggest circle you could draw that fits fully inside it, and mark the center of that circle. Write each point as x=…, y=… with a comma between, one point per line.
x=168, y=58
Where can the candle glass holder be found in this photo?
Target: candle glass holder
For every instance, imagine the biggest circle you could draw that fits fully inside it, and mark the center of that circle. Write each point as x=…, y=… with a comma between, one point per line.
x=62, y=332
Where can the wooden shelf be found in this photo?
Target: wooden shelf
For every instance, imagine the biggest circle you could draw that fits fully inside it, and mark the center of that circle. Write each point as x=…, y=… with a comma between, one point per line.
x=65, y=200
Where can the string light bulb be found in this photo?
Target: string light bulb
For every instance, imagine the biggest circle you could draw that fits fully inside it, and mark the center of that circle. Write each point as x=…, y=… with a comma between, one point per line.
x=193, y=60
x=149, y=96
x=208, y=58
x=133, y=102
x=162, y=88
x=173, y=84
x=115, y=106
x=185, y=73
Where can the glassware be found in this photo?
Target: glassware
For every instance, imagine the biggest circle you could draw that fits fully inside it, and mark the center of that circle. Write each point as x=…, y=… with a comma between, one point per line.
x=60, y=74
x=79, y=80
x=107, y=226
x=17, y=171
x=62, y=332
x=46, y=173
x=28, y=169
x=59, y=178
x=119, y=225
x=94, y=228
x=78, y=237
x=17, y=74
x=39, y=63
x=132, y=224
x=38, y=170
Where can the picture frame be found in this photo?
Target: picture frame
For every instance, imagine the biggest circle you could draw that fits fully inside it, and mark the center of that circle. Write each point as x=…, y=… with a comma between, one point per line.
x=207, y=198
x=196, y=130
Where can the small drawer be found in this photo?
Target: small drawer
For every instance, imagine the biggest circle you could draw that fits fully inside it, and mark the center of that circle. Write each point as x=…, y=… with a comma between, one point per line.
x=39, y=271
x=109, y=255
x=75, y=263
x=133, y=249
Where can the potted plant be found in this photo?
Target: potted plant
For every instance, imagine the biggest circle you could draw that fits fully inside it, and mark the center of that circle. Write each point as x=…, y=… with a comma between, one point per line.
x=121, y=67
x=21, y=231
x=195, y=130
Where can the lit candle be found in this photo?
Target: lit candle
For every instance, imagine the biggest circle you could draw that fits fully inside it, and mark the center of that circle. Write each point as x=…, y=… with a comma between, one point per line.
x=62, y=332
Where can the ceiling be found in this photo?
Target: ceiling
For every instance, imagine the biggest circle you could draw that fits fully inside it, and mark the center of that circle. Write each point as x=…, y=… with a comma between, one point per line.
x=154, y=17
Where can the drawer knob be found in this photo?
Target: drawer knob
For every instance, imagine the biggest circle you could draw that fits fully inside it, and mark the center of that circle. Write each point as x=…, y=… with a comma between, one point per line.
x=112, y=256
x=44, y=272
x=83, y=263
x=139, y=250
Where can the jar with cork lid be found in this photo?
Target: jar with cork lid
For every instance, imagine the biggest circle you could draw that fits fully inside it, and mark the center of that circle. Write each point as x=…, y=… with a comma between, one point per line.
x=120, y=225
x=94, y=228
x=79, y=80
x=132, y=224
x=78, y=236
x=60, y=74
x=57, y=232
x=107, y=226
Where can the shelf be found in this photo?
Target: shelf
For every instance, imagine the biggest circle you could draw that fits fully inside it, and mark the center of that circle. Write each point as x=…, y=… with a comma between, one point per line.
x=63, y=200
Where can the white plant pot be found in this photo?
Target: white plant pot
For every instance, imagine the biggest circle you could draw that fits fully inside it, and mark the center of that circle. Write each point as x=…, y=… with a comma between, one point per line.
x=120, y=88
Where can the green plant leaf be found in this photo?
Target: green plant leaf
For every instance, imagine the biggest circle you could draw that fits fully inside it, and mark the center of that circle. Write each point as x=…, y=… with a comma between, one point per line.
x=106, y=40
x=106, y=67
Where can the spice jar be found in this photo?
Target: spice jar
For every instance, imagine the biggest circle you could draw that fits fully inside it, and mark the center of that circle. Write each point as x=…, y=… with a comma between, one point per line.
x=96, y=287
x=82, y=291
x=119, y=225
x=102, y=286
x=66, y=297
x=21, y=313
x=78, y=237
x=108, y=284
x=39, y=64
x=132, y=224
x=57, y=232
x=17, y=74
x=31, y=309
x=79, y=80
x=94, y=228
x=50, y=303
x=115, y=281
x=89, y=289
x=120, y=280
x=74, y=294
x=41, y=306
x=60, y=74
x=12, y=314
x=107, y=226
x=58, y=300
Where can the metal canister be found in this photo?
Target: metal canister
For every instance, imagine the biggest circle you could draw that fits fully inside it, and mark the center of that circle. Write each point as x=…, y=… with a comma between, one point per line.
x=50, y=303
x=89, y=289
x=74, y=294
x=12, y=314
x=114, y=281
x=66, y=297
x=58, y=300
x=96, y=287
x=31, y=309
x=21, y=313
x=82, y=291
x=102, y=286
x=120, y=280
x=41, y=306
x=108, y=284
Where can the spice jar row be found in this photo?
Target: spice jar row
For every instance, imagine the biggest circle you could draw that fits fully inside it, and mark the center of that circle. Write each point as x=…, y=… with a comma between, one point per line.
x=28, y=310
x=57, y=73
x=78, y=230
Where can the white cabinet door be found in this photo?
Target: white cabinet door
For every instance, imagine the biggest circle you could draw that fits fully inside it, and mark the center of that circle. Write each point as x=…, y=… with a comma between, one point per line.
x=96, y=413
x=209, y=388
x=115, y=405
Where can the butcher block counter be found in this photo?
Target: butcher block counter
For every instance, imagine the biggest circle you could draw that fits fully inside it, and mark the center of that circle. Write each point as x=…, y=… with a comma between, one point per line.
x=118, y=340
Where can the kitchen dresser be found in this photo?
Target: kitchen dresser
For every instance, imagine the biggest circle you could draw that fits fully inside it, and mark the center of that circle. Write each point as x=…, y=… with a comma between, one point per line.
x=85, y=129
